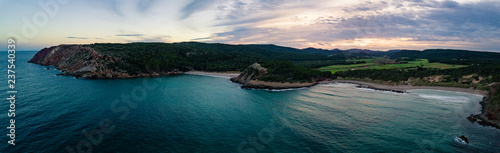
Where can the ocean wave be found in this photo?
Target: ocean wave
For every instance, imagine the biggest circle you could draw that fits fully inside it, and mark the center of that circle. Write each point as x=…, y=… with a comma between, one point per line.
x=383, y=91
x=278, y=90
x=460, y=99
x=458, y=140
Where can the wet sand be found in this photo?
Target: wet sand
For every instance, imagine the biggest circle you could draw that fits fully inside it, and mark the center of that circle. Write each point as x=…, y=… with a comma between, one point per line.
x=409, y=87
x=232, y=74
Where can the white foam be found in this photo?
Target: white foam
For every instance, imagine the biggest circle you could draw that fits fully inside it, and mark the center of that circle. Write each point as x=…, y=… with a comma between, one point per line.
x=279, y=90
x=368, y=89
x=459, y=99
x=457, y=139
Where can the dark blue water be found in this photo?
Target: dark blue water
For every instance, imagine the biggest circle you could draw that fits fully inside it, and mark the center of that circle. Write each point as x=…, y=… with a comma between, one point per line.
x=210, y=114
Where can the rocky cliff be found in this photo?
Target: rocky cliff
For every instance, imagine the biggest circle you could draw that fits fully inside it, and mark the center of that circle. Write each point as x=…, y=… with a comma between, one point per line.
x=250, y=79
x=490, y=115
x=84, y=61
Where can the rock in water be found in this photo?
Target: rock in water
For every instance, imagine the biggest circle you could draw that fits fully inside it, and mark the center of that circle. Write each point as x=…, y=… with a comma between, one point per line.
x=464, y=139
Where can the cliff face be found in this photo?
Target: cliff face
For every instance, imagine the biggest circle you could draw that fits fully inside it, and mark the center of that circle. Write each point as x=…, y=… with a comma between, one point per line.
x=490, y=115
x=84, y=62
x=492, y=110
x=253, y=72
x=250, y=79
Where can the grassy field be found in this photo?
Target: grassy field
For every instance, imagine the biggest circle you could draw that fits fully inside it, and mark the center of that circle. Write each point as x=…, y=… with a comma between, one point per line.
x=372, y=64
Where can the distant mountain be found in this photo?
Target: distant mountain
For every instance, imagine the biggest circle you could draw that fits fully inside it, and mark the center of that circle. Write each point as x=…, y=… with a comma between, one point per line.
x=321, y=51
x=364, y=52
x=353, y=52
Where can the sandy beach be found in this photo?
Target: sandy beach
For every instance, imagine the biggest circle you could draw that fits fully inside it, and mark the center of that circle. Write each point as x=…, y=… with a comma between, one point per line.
x=229, y=74
x=370, y=84
x=409, y=87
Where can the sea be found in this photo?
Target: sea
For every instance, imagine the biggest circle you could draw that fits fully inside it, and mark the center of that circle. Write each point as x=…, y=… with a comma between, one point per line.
x=191, y=113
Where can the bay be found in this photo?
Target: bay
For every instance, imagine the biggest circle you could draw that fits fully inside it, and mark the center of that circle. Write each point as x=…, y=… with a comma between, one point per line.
x=189, y=113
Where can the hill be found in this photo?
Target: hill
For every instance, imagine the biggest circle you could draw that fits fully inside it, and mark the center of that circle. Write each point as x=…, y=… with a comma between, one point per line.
x=156, y=59
x=279, y=75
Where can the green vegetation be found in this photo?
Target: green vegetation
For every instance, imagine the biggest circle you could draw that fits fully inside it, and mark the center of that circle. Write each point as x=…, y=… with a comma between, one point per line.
x=144, y=57
x=430, y=67
x=434, y=67
x=336, y=68
x=381, y=63
x=286, y=71
x=450, y=56
x=472, y=76
x=416, y=63
x=495, y=99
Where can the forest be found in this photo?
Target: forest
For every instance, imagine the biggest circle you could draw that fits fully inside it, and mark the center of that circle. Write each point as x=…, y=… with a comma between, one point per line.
x=286, y=71
x=287, y=63
x=139, y=57
x=449, y=56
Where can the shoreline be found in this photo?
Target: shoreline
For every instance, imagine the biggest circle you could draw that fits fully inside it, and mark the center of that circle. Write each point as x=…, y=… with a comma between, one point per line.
x=229, y=74
x=257, y=84
x=480, y=119
x=362, y=84
x=403, y=88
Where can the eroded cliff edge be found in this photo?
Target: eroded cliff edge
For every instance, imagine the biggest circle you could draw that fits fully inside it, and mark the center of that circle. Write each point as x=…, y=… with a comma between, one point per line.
x=84, y=61
x=490, y=113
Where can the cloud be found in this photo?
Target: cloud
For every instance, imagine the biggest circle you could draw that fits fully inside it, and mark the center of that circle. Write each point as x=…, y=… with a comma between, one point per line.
x=201, y=39
x=129, y=35
x=367, y=6
x=77, y=37
x=423, y=22
x=297, y=23
x=194, y=6
x=450, y=4
x=145, y=5
x=124, y=8
x=144, y=38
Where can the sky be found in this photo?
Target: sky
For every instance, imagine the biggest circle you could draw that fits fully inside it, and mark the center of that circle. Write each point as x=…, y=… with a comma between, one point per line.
x=327, y=24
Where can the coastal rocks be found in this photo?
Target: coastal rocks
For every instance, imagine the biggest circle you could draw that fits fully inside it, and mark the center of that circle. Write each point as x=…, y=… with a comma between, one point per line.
x=481, y=120
x=462, y=139
x=257, y=84
x=490, y=115
x=75, y=60
x=84, y=62
x=249, y=78
x=253, y=72
x=380, y=89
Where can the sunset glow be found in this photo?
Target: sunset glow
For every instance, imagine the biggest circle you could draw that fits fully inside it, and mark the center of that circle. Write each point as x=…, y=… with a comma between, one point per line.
x=382, y=25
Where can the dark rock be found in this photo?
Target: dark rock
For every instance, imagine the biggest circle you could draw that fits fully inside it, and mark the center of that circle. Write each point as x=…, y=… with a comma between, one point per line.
x=471, y=118
x=47, y=68
x=463, y=138
x=380, y=89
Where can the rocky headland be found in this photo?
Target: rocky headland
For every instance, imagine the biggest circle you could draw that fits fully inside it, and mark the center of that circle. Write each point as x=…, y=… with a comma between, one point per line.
x=250, y=78
x=490, y=113
x=83, y=61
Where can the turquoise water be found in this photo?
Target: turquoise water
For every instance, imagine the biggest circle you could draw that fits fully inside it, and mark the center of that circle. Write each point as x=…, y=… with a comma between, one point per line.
x=190, y=113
